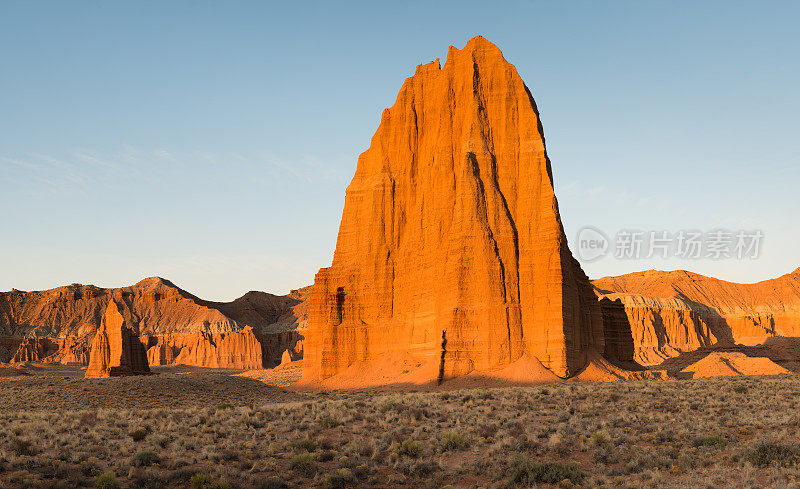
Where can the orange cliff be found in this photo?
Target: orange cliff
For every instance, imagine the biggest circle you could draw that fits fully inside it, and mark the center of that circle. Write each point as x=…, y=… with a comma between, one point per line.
x=669, y=313
x=451, y=254
x=176, y=327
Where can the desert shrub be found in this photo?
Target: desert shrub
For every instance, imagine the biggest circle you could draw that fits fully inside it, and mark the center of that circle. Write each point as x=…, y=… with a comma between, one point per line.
x=363, y=448
x=664, y=436
x=227, y=455
x=307, y=444
x=715, y=441
x=182, y=475
x=419, y=413
x=205, y=481
x=421, y=468
x=87, y=419
x=601, y=438
x=487, y=430
x=454, y=440
x=106, y=480
x=393, y=406
x=145, y=479
x=303, y=463
x=326, y=455
x=636, y=466
x=605, y=455
x=145, y=459
x=23, y=446
x=338, y=479
x=138, y=434
x=90, y=468
x=327, y=444
x=361, y=471
x=201, y=481
x=410, y=448
x=525, y=472
x=329, y=422
x=273, y=483
x=767, y=454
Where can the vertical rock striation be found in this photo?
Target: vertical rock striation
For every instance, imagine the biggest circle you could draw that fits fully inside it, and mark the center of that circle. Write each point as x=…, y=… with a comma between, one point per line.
x=451, y=248
x=116, y=350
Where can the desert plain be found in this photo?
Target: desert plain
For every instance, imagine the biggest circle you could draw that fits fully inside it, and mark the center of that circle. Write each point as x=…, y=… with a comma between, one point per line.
x=213, y=428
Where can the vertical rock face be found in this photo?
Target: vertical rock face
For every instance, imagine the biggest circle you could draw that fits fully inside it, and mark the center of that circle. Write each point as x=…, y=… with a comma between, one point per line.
x=116, y=350
x=451, y=247
x=619, y=342
x=235, y=349
x=53, y=350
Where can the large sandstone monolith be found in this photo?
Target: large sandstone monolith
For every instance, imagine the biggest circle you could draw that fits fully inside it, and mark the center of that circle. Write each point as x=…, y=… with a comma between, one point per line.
x=116, y=350
x=450, y=248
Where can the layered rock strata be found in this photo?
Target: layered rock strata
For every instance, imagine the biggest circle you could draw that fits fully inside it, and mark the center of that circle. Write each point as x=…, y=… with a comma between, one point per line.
x=58, y=325
x=670, y=313
x=451, y=247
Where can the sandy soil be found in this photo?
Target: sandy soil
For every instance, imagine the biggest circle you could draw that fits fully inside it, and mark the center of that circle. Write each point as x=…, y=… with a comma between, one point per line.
x=54, y=387
x=733, y=363
x=217, y=429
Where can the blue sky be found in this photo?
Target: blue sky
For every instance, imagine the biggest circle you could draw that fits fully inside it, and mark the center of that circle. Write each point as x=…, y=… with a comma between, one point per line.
x=211, y=142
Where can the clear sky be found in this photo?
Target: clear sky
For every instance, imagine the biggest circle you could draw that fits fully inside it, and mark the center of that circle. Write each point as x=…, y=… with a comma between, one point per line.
x=211, y=142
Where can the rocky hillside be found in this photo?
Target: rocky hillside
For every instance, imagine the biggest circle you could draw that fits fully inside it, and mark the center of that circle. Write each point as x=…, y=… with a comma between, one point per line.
x=674, y=312
x=58, y=325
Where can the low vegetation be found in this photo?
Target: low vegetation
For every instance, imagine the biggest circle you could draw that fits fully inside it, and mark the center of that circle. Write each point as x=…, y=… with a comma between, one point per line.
x=683, y=434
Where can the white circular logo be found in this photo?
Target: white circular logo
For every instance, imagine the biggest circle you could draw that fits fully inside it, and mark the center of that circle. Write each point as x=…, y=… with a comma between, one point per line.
x=592, y=244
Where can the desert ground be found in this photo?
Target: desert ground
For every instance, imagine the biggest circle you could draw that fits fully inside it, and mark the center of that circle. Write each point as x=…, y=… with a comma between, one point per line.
x=205, y=428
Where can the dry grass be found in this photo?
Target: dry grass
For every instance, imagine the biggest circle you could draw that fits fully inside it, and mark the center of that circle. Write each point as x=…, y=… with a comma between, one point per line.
x=731, y=432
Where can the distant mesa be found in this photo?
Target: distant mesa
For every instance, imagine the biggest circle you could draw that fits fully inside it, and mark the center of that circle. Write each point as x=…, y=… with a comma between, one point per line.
x=671, y=313
x=174, y=326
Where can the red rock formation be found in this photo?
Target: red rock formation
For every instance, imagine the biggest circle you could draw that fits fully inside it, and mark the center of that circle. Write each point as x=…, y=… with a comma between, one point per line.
x=53, y=350
x=116, y=351
x=450, y=247
x=674, y=312
x=235, y=349
x=57, y=325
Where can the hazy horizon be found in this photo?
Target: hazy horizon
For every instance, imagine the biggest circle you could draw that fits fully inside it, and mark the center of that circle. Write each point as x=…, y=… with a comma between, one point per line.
x=211, y=145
